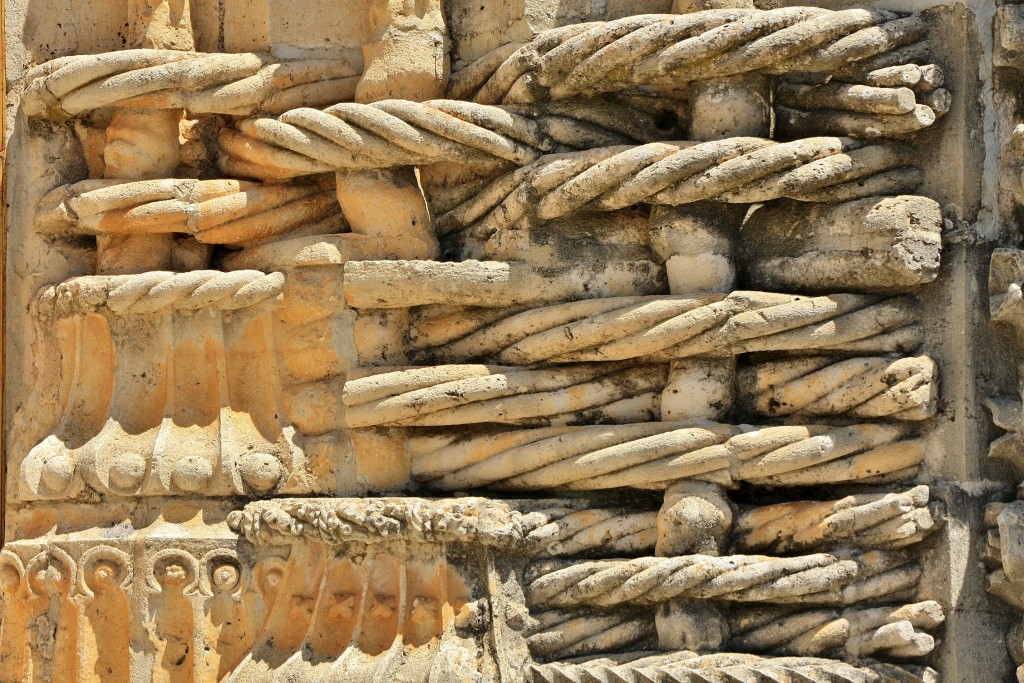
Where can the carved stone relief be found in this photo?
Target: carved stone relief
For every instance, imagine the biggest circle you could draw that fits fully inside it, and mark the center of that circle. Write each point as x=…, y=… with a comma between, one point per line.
x=537, y=341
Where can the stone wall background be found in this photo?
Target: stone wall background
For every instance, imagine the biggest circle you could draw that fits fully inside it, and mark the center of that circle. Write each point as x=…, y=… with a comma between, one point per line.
x=970, y=164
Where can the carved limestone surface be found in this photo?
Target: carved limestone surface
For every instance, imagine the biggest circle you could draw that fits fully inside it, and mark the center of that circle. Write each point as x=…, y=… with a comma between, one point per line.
x=554, y=341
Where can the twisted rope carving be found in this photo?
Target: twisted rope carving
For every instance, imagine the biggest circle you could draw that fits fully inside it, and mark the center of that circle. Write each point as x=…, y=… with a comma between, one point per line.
x=864, y=99
x=734, y=170
x=870, y=521
x=671, y=327
x=658, y=49
x=599, y=530
x=885, y=521
x=559, y=634
x=922, y=78
x=904, y=388
x=808, y=579
x=454, y=395
x=652, y=455
x=159, y=291
x=691, y=668
x=214, y=211
x=878, y=103
x=404, y=133
x=889, y=631
x=870, y=126
x=242, y=83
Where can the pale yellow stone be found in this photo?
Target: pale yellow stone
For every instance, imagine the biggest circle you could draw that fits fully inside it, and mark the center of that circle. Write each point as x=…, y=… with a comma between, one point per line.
x=241, y=283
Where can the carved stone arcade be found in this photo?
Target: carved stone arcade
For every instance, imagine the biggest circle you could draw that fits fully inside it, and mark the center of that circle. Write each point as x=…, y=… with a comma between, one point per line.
x=554, y=342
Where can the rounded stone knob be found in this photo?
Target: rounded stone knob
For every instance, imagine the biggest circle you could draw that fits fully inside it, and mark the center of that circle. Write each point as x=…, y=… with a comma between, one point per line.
x=127, y=472
x=57, y=473
x=260, y=471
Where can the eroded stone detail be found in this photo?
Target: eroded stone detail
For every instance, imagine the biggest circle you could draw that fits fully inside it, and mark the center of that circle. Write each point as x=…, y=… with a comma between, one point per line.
x=662, y=276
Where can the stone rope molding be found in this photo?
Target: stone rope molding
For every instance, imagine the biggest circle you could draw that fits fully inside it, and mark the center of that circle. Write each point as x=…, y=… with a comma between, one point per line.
x=660, y=49
x=606, y=178
x=807, y=579
x=733, y=170
x=575, y=59
x=606, y=531
x=390, y=133
x=670, y=327
x=899, y=631
x=561, y=634
x=653, y=455
x=884, y=521
x=159, y=291
x=447, y=395
x=896, y=388
x=242, y=83
x=475, y=394
x=219, y=211
x=887, y=631
x=688, y=667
